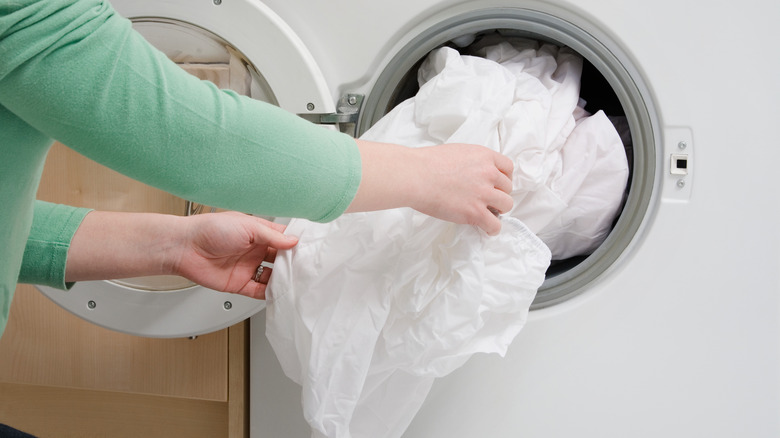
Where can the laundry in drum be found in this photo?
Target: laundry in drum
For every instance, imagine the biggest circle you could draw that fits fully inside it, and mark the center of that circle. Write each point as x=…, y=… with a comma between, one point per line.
x=366, y=311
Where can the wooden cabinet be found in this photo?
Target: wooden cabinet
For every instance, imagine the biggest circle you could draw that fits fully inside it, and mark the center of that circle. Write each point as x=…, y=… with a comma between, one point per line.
x=63, y=377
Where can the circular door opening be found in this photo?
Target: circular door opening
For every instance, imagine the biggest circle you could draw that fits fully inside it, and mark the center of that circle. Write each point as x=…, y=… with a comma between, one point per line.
x=207, y=57
x=229, y=46
x=609, y=82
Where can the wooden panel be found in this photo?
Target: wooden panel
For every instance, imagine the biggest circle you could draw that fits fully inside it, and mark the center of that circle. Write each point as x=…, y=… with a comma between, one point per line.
x=45, y=345
x=238, y=371
x=62, y=376
x=70, y=178
x=64, y=413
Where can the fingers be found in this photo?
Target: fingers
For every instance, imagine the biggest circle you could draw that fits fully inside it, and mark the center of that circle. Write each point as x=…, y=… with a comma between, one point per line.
x=256, y=287
x=490, y=223
x=500, y=200
x=488, y=217
x=268, y=238
x=272, y=234
x=503, y=183
x=505, y=165
x=270, y=224
x=254, y=290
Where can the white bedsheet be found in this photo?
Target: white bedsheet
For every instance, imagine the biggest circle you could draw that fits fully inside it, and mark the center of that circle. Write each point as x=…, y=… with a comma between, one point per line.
x=369, y=309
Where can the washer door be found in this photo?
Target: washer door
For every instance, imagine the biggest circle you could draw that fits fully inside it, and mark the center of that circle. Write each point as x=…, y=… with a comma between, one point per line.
x=242, y=45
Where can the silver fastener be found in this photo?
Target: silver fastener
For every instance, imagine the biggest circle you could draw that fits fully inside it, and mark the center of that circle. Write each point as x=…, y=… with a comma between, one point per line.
x=352, y=100
x=217, y=2
x=682, y=145
x=228, y=305
x=680, y=183
x=91, y=304
x=310, y=106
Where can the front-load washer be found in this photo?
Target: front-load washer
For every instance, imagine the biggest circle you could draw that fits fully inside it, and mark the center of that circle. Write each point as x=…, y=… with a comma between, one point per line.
x=670, y=328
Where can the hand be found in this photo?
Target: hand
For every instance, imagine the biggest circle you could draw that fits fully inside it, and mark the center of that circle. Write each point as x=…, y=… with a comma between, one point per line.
x=222, y=251
x=218, y=250
x=466, y=184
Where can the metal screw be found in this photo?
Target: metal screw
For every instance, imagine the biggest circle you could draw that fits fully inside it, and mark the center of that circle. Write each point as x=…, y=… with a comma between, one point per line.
x=682, y=145
x=217, y=2
x=352, y=100
x=680, y=183
x=310, y=106
x=91, y=304
x=228, y=305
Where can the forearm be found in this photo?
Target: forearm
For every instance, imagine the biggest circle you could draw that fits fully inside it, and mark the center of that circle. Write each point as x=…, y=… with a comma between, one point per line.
x=115, y=99
x=461, y=183
x=390, y=177
x=120, y=245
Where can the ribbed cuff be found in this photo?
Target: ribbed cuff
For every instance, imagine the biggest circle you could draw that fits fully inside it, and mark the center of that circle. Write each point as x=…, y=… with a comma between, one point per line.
x=46, y=252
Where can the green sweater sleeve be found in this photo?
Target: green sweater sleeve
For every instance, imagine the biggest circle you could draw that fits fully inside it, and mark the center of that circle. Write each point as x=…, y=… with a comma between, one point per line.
x=77, y=71
x=46, y=252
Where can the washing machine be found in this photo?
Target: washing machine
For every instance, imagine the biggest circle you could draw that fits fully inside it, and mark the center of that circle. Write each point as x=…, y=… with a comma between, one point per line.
x=670, y=328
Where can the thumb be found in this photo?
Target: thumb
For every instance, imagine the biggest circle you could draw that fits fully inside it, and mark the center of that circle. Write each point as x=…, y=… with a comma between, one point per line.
x=274, y=237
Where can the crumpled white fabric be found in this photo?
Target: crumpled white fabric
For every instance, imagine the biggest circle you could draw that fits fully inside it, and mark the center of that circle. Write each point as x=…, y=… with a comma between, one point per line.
x=366, y=311
x=523, y=100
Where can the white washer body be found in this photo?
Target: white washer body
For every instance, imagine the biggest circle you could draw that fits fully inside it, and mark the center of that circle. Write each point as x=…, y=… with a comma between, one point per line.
x=680, y=337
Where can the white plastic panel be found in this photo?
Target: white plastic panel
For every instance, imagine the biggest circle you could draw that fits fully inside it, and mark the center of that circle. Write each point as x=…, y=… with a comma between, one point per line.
x=679, y=164
x=681, y=338
x=159, y=314
x=257, y=32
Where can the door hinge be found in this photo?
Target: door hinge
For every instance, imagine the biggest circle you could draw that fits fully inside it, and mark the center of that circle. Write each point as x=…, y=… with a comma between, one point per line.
x=346, y=116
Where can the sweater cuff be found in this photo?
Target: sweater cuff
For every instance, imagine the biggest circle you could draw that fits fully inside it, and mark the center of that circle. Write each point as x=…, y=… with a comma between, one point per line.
x=46, y=252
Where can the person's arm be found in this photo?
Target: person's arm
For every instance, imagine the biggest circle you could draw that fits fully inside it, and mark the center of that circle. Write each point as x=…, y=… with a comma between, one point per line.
x=221, y=251
x=461, y=183
x=78, y=72
x=48, y=242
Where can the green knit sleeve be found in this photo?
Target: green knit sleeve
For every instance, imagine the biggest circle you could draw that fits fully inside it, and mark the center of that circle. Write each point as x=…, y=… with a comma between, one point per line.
x=78, y=72
x=47, y=246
